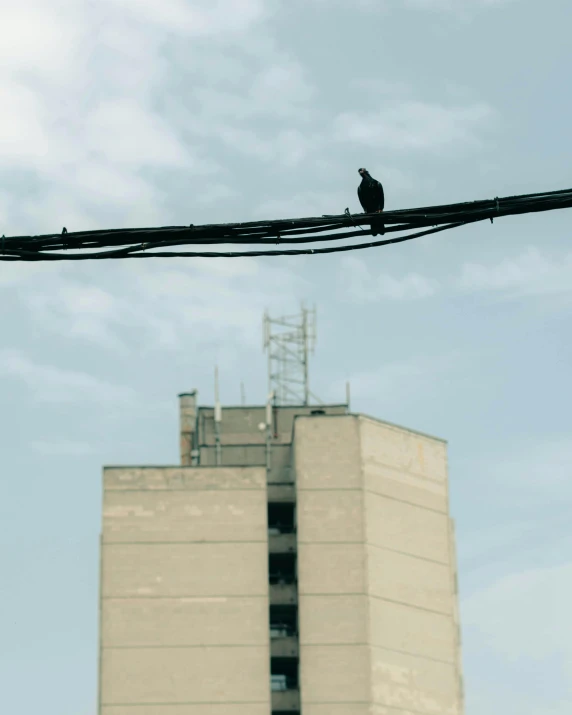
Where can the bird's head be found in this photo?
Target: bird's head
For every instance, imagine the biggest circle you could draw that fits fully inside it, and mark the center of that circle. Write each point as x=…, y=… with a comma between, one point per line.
x=363, y=172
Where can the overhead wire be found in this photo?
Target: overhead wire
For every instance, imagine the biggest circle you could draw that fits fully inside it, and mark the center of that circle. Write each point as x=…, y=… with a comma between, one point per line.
x=147, y=242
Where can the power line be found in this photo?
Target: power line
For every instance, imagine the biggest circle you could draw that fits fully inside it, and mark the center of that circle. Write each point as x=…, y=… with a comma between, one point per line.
x=144, y=242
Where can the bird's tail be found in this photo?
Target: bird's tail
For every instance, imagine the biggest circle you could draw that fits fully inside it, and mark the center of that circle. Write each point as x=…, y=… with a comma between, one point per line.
x=377, y=227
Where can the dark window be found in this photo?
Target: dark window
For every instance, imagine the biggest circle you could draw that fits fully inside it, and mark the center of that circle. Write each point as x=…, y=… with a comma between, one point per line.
x=283, y=621
x=284, y=673
x=282, y=568
x=281, y=518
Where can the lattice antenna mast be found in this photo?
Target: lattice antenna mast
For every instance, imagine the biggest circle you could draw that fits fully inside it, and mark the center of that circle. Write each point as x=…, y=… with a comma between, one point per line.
x=289, y=340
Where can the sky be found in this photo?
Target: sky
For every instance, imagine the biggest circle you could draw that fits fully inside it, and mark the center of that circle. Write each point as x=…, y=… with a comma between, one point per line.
x=125, y=113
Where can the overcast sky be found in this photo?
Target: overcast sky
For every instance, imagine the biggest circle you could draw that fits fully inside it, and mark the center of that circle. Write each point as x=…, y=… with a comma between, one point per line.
x=124, y=113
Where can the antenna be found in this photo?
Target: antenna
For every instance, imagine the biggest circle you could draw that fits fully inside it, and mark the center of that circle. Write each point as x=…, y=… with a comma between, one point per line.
x=289, y=341
x=268, y=425
x=217, y=419
x=242, y=394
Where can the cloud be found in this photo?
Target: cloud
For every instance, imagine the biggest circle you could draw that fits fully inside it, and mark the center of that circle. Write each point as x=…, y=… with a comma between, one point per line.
x=110, y=106
x=382, y=87
x=53, y=384
x=455, y=6
x=157, y=306
x=309, y=203
x=541, y=469
x=405, y=125
x=68, y=307
x=401, y=380
x=57, y=447
x=529, y=518
x=15, y=274
x=199, y=18
x=125, y=132
x=533, y=273
x=518, y=626
x=361, y=286
x=517, y=582
x=23, y=133
x=499, y=611
x=41, y=37
x=288, y=147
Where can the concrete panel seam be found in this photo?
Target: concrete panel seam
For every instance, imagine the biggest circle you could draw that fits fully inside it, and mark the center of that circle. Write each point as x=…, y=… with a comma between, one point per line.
x=375, y=546
x=202, y=646
x=406, y=501
x=187, y=702
x=192, y=596
x=382, y=598
x=196, y=541
x=408, y=472
x=419, y=656
x=379, y=494
x=407, y=710
x=152, y=490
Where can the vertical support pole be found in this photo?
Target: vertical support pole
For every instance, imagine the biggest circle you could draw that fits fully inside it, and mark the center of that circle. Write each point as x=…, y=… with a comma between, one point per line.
x=269, y=431
x=188, y=423
x=217, y=421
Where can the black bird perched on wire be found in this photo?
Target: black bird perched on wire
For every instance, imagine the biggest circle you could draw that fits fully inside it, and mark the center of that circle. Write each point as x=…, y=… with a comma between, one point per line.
x=372, y=199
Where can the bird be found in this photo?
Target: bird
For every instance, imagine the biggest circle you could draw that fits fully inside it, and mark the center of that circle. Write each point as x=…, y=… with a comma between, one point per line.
x=372, y=198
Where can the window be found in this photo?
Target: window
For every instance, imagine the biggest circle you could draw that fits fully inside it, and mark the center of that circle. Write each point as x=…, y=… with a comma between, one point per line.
x=284, y=673
x=282, y=568
x=278, y=682
x=281, y=518
x=283, y=621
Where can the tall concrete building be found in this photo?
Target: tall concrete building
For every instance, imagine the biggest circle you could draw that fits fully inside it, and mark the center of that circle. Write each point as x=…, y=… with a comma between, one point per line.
x=299, y=560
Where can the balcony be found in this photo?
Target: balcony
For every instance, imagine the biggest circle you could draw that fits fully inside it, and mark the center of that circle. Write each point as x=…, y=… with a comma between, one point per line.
x=285, y=701
x=283, y=594
x=283, y=493
x=280, y=542
x=284, y=685
x=283, y=646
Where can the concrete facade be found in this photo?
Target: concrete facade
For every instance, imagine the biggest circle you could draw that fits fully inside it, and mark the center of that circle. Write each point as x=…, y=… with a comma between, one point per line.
x=321, y=580
x=376, y=572
x=184, y=592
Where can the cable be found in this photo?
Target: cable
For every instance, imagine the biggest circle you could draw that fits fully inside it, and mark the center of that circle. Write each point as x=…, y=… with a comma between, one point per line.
x=145, y=242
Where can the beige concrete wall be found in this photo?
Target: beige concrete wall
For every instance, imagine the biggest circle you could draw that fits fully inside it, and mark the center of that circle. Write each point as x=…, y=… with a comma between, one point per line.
x=404, y=465
x=334, y=673
x=331, y=564
x=196, y=709
x=400, y=628
x=185, y=675
x=407, y=682
x=180, y=621
x=412, y=598
x=184, y=516
x=184, y=585
x=377, y=598
x=348, y=613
